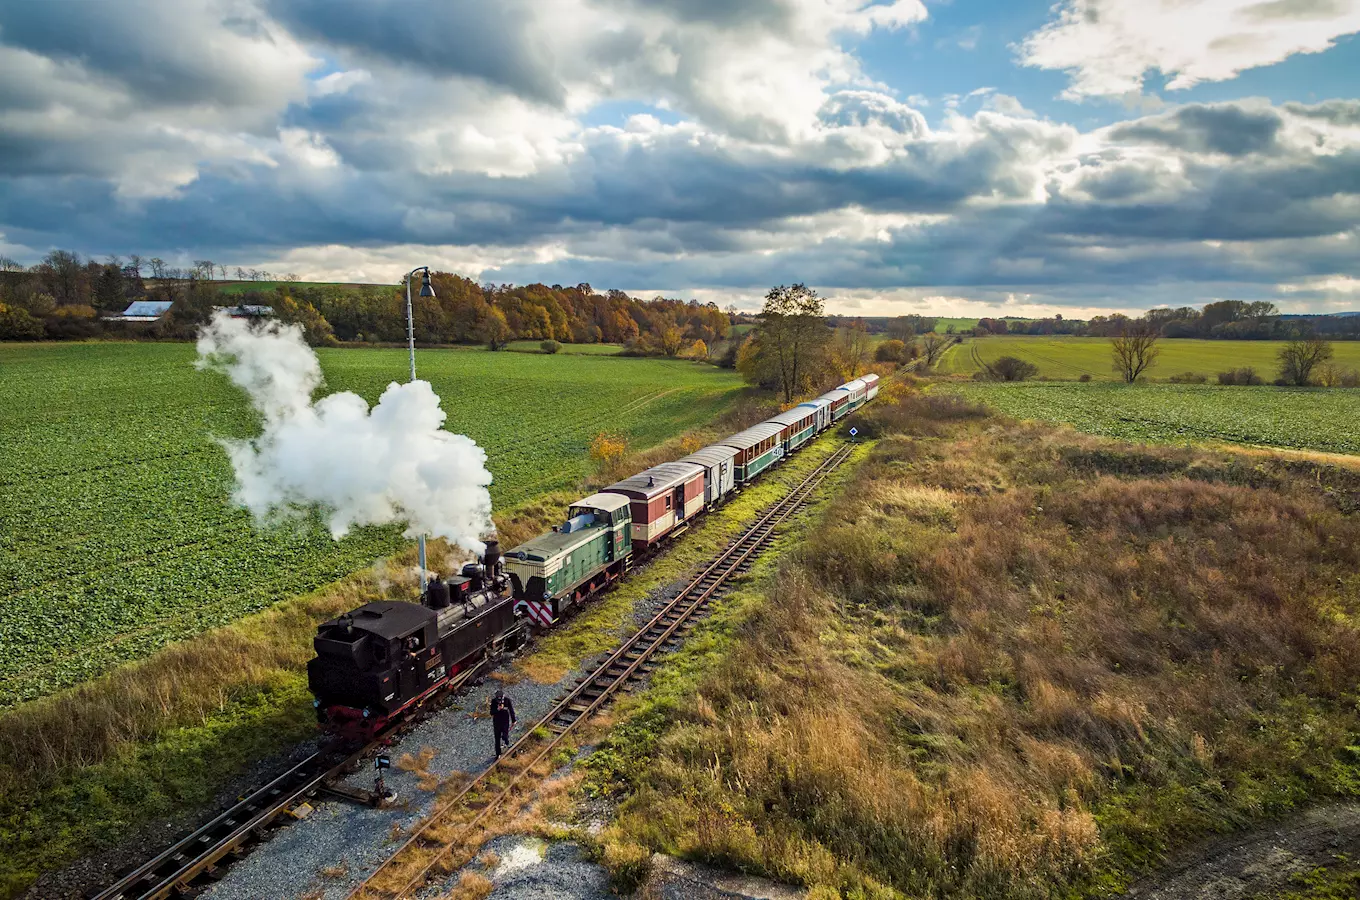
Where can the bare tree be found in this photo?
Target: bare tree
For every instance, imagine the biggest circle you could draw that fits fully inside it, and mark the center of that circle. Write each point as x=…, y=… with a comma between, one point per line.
x=1301, y=356
x=932, y=348
x=1134, y=351
x=240, y=274
x=157, y=267
x=204, y=268
x=853, y=348
x=10, y=265
x=135, y=264
x=794, y=333
x=222, y=272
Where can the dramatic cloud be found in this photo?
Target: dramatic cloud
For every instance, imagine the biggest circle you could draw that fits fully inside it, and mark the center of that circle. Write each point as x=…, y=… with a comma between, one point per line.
x=686, y=146
x=1109, y=46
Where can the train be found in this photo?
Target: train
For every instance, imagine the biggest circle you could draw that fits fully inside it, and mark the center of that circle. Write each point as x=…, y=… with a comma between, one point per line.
x=376, y=663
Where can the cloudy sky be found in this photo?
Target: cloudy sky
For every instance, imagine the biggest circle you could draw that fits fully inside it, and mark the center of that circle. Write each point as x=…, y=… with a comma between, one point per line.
x=995, y=157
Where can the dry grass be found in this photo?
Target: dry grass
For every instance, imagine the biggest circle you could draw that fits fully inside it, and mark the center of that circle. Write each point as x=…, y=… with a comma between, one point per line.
x=1017, y=662
x=335, y=872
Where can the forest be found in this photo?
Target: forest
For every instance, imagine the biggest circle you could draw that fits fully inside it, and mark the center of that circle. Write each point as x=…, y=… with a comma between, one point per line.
x=65, y=297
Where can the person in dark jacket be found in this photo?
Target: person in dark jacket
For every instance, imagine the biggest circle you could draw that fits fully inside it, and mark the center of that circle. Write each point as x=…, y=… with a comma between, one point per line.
x=502, y=717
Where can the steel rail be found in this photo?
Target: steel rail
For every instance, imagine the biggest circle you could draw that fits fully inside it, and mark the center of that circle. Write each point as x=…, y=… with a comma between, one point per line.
x=599, y=686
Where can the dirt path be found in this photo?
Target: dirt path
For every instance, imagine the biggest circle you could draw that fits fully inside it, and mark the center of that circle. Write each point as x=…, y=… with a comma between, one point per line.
x=1260, y=863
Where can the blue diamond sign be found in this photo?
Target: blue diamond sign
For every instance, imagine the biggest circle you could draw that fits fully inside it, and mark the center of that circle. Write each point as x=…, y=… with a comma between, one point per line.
x=854, y=431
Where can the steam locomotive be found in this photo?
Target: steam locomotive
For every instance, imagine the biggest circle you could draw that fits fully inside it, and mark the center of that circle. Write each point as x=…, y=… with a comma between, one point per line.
x=375, y=664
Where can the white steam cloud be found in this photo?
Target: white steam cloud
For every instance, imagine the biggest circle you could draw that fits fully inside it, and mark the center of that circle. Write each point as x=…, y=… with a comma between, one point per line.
x=361, y=466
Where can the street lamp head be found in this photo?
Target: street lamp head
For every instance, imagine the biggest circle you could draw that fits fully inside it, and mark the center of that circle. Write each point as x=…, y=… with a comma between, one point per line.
x=426, y=289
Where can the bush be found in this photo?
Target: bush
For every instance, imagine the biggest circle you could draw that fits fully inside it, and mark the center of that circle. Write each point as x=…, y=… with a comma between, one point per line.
x=1243, y=376
x=17, y=324
x=550, y=346
x=1011, y=368
x=1085, y=377
x=1188, y=378
x=893, y=351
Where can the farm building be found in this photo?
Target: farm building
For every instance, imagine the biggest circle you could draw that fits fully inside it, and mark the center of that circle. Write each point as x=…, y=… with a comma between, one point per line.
x=143, y=311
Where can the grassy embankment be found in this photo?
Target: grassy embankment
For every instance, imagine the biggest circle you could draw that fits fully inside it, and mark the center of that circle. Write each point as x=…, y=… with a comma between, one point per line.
x=1068, y=358
x=1014, y=662
x=109, y=443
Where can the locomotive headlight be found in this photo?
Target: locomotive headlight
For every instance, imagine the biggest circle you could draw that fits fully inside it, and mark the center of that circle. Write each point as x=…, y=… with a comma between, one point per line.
x=366, y=713
x=316, y=704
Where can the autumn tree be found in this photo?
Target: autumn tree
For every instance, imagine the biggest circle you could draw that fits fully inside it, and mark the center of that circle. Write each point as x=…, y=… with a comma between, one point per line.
x=793, y=338
x=607, y=449
x=932, y=348
x=495, y=332
x=1299, y=357
x=852, y=348
x=1134, y=350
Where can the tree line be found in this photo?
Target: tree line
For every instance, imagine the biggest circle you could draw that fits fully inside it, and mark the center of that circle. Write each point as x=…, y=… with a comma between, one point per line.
x=66, y=297
x=1221, y=320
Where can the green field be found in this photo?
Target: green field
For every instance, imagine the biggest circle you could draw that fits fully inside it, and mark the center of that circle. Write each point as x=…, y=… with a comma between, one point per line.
x=960, y=324
x=1298, y=418
x=1072, y=357
x=116, y=536
x=576, y=349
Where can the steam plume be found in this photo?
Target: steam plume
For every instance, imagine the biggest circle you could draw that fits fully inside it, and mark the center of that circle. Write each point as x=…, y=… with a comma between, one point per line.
x=393, y=463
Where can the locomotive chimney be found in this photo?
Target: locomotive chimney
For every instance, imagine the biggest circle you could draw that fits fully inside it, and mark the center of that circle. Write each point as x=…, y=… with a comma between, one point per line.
x=491, y=556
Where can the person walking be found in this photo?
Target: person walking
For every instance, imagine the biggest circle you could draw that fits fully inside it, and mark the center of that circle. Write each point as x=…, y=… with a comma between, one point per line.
x=502, y=718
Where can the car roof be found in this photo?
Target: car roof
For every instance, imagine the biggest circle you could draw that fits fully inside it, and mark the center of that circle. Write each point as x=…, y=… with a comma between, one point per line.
x=657, y=479
x=753, y=435
x=603, y=500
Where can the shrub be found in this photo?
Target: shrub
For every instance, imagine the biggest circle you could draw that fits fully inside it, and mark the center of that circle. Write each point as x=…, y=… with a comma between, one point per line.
x=1085, y=377
x=550, y=346
x=607, y=450
x=893, y=351
x=1243, y=376
x=18, y=324
x=1188, y=378
x=1011, y=368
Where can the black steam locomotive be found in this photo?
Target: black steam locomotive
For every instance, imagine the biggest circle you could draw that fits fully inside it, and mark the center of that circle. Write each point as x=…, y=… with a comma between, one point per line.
x=376, y=662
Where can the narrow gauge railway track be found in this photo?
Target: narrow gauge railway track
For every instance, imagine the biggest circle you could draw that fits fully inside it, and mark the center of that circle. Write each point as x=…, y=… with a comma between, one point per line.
x=227, y=836
x=410, y=866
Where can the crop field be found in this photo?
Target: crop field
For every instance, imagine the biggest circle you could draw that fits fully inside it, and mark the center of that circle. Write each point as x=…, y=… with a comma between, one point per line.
x=116, y=534
x=1072, y=357
x=1298, y=418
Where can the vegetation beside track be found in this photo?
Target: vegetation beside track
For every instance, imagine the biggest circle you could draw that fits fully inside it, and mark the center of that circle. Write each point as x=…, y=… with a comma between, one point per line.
x=1014, y=662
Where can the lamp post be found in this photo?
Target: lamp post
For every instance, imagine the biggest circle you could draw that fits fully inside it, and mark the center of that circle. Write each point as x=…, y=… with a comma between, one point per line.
x=426, y=290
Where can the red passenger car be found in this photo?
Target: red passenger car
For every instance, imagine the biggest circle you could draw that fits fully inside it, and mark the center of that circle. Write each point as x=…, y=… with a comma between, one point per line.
x=661, y=498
